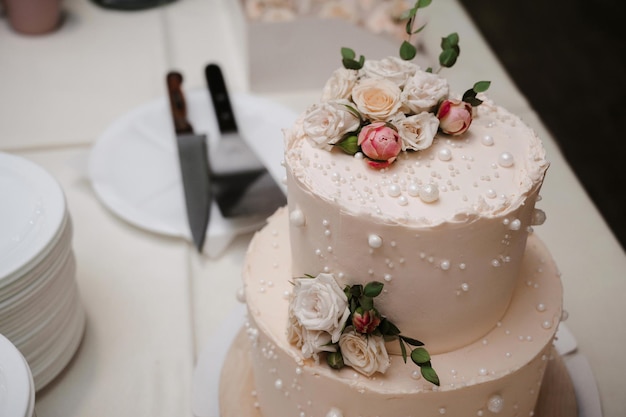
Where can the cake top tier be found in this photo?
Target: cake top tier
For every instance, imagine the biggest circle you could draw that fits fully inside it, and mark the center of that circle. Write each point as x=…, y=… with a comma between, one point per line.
x=389, y=141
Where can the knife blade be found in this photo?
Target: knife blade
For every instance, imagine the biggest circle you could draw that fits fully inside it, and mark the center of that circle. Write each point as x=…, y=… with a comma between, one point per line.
x=241, y=184
x=193, y=161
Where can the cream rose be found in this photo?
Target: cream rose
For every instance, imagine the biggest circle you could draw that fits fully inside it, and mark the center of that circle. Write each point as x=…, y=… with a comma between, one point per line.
x=418, y=131
x=423, y=92
x=326, y=123
x=339, y=85
x=377, y=99
x=365, y=354
x=314, y=342
x=320, y=304
x=391, y=68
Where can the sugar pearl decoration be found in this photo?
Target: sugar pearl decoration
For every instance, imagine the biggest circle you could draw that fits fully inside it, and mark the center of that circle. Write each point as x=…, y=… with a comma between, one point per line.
x=374, y=241
x=487, y=140
x=444, y=154
x=495, y=404
x=506, y=160
x=278, y=384
x=429, y=193
x=539, y=217
x=334, y=412
x=394, y=190
x=296, y=218
x=413, y=189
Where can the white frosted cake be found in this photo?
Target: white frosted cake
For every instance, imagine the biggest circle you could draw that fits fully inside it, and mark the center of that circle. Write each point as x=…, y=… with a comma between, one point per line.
x=403, y=278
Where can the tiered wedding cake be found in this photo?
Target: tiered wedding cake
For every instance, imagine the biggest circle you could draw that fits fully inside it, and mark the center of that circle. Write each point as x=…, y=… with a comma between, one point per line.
x=409, y=220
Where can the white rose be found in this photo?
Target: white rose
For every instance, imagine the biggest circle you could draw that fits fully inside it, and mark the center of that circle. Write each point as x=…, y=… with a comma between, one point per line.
x=316, y=341
x=339, y=85
x=319, y=304
x=365, y=354
x=295, y=332
x=391, y=68
x=423, y=91
x=326, y=123
x=376, y=99
x=417, y=131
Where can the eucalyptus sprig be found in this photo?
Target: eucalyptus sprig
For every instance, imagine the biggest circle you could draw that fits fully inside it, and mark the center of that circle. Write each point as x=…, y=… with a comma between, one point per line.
x=407, y=49
x=470, y=95
x=348, y=59
x=361, y=298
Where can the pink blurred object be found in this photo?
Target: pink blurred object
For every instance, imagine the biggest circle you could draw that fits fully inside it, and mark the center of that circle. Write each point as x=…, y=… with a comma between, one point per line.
x=34, y=17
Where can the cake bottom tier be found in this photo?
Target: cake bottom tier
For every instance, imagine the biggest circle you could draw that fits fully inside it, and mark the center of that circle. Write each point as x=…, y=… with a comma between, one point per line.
x=499, y=374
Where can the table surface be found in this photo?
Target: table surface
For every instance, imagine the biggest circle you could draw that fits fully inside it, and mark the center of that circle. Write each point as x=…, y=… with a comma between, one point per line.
x=153, y=302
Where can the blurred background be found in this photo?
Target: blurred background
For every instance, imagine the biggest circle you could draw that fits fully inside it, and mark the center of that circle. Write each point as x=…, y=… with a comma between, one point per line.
x=569, y=59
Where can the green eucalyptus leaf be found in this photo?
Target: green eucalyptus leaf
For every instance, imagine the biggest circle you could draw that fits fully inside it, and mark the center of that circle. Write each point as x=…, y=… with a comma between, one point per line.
x=418, y=30
x=350, y=146
x=392, y=330
x=348, y=53
x=335, y=360
x=366, y=303
x=407, y=51
x=373, y=289
x=402, y=349
x=411, y=341
x=357, y=290
x=482, y=86
x=450, y=41
x=420, y=4
x=430, y=375
x=420, y=356
x=447, y=57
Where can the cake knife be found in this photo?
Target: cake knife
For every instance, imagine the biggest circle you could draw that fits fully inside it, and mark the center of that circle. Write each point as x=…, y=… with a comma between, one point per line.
x=193, y=159
x=241, y=184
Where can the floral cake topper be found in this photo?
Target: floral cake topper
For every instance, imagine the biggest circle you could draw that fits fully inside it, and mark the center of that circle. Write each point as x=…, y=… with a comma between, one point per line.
x=376, y=109
x=345, y=326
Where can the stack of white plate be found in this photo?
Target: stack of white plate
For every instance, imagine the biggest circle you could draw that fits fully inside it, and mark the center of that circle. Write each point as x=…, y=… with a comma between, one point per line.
x=40, y=309
x=17, y=389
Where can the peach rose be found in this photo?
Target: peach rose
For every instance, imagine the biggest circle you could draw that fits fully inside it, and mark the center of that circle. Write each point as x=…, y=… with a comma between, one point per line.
x=377, y=99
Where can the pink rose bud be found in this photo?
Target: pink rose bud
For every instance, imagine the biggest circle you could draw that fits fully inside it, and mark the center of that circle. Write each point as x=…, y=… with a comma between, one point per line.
x=365, y=321
x=454, y=117
x=380, y=143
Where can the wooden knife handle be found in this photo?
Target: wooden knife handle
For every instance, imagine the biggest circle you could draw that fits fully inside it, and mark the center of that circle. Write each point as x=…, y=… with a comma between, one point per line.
x=219, y=96
x=178, y=106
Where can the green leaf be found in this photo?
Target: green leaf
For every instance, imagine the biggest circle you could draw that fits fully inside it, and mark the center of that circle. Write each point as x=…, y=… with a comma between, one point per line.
x=366, y=303
x=335, y=360
x=412, y=342
x=373, y=289
x=418, y=30
x=450, y=41
x=420, y=4
x=420, y=356
x=482, y=86
x=430, y=375
x=402, y=349
x=387, y=328
x=447, y=57
x=407, y=51
x=356, y=290
x=350, y=146
x=347, y=53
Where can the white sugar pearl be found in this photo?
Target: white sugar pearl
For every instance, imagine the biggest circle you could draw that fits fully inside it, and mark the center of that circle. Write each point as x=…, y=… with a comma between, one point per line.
x=487, y=140
x=539, y=217
x=374, y=241
x=296, y=218
x=429, y=193
x=506, y=160
x=515, y=224
x=413, y=189
x=444, y=154
x=394, y=190
x=495, y=404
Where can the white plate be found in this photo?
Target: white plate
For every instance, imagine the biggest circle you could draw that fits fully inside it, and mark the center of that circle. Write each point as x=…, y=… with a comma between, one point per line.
x=134, y=164
x=31, y=214
x=17, y=397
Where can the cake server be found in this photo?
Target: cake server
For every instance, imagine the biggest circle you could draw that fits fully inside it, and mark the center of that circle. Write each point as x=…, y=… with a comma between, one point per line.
x=194, y=166
x=241, y=184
